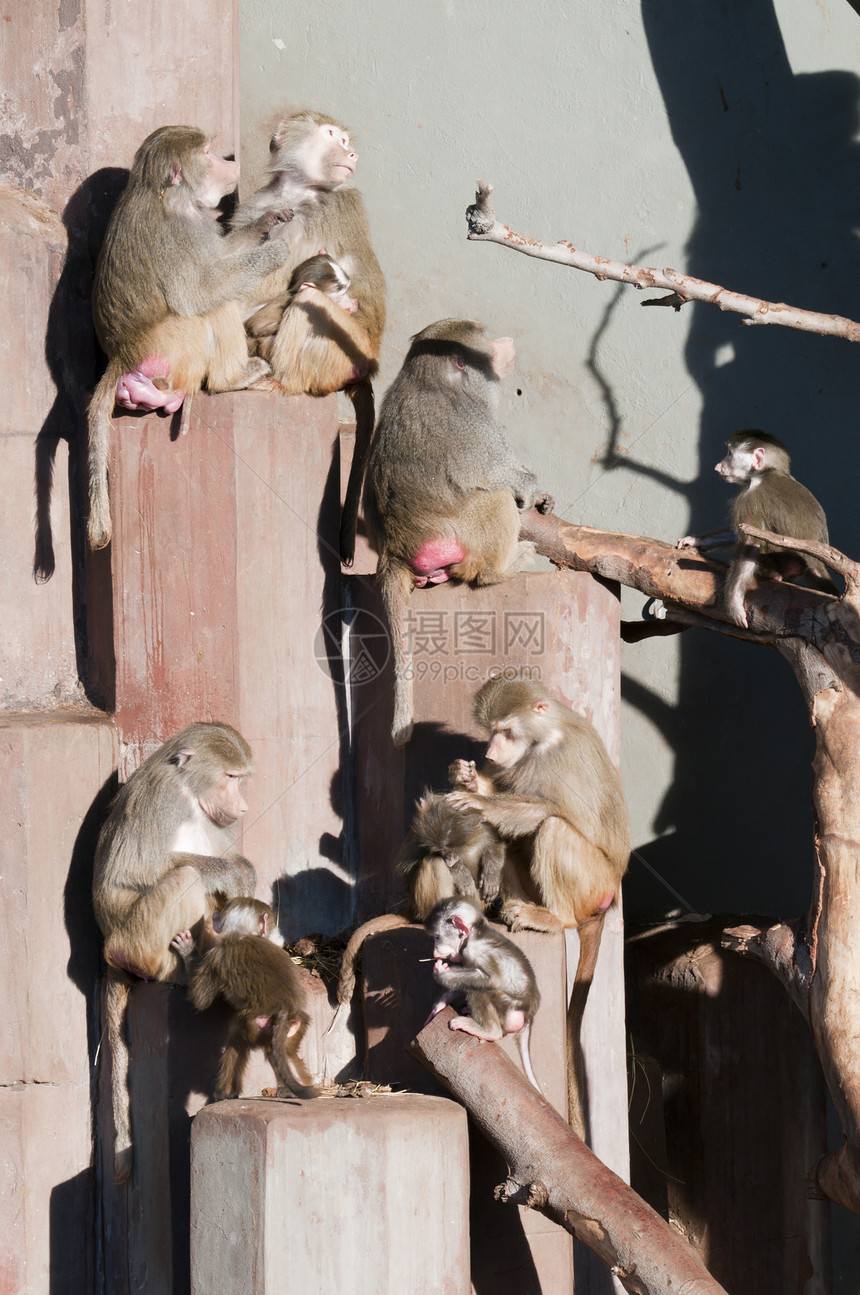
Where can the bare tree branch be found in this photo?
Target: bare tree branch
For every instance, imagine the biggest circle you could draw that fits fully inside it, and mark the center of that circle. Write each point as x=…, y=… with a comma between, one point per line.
x=554, y=1172
x=831, y=557
x=484, y=228
x=682, y=578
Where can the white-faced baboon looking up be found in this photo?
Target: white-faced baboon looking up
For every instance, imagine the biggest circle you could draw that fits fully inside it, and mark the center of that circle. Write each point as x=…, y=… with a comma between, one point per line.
x=551, y=792
x=311, y=158
x=771, y=500
x=444, y=487
x=165, y=860
x=166, y=293
x=233, y=957
x=475, y=964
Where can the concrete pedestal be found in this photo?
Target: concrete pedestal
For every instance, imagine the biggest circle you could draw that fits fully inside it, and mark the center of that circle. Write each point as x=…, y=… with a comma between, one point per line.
x=346, y=1196
x=224, y=565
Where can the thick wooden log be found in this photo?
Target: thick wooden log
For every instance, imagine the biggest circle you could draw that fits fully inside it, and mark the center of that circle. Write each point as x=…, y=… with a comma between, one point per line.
x=553, y=1171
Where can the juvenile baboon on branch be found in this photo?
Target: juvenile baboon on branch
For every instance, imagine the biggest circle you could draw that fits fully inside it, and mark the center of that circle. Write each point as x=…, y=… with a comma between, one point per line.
x=771, y=500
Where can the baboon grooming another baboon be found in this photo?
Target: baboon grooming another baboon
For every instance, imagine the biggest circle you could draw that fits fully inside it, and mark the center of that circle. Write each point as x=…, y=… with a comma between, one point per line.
x=553, y=795
x=166, y=293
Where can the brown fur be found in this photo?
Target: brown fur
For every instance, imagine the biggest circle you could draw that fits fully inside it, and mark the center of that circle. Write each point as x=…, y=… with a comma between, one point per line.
x=263, y=987
x=770, y=499
x=493, y=976
x=446, y=854
x=562, y=809
x=440, y=468
x=317, y=276
x=780, y=504
x=322, y=348
x=144, y=890
x=168, y=283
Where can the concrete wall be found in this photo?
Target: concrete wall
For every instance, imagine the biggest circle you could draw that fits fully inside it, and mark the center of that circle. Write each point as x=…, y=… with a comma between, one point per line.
x=714, y=137
x=82, y=84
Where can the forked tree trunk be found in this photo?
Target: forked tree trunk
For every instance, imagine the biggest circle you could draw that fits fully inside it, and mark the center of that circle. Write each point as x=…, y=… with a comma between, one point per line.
x=818, y=960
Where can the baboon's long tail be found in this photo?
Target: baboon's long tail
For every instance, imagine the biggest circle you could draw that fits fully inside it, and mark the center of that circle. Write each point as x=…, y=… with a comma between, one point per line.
x=361, y=395
x=117, y=989
x=346, y=978
x=395, y=583
x=590, y=933
x=99, y=527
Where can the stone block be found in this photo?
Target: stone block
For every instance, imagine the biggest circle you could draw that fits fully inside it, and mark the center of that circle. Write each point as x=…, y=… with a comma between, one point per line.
x=174, y=1052
x=32, y=244
x=53, y=767
x=67, y=110
x=156, y=89
x=48, y=654
x=334, y=1195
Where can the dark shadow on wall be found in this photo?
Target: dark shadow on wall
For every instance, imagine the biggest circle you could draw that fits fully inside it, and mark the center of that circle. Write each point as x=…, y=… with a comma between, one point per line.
x=75, y=1202
x=71, y=1211
x=73, y=1206
x=74, y=360
x=776, y=173
x=775, y=167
